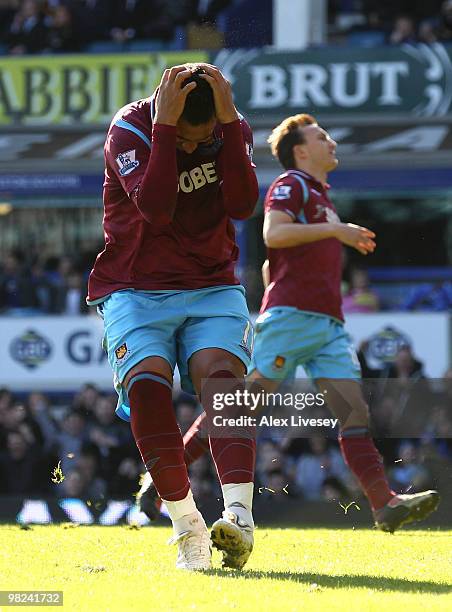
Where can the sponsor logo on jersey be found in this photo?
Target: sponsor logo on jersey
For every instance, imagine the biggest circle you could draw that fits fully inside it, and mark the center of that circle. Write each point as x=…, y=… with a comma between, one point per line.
x=198, y=177
x=127, y=162
x=324, y=212
x=282, y=192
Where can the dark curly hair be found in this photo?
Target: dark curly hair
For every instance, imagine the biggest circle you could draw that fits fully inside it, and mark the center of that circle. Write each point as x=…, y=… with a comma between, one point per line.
x=199, y=105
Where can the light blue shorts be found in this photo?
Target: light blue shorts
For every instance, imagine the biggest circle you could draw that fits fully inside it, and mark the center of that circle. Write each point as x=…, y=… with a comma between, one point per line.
x=173, y=325
x=287, y=338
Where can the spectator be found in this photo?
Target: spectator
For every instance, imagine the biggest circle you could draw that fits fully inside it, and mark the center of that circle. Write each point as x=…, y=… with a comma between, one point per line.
x=73, y=485
x=107, y=432
x=269, y=458
x=70, y=439
x=430, y=297
x=8, y=9
x=360, y=297
x=334, y=490
x=126, y=476
x=21, y=467
x=62, y=35
x=91, y=20
x=410, y=390
x=16, y=287
x=315, y=466
x=88, y=465
x=277, y=486
x=404, y=31
x=85, y=400
x=409, y=474
x=437, y=27
x=28, y=32
x=140, y=19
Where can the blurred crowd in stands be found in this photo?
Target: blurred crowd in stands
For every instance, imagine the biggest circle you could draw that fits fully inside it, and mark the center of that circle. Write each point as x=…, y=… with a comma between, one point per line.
x=67, y=26
x=374, y=22
x=54, y=285
x=53, y=26
x=411, y=416
x=35, y=284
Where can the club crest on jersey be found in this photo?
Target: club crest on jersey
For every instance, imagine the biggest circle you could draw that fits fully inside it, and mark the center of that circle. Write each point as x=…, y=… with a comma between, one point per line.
x=122, y=352
x=279, y=362
x=127, y=162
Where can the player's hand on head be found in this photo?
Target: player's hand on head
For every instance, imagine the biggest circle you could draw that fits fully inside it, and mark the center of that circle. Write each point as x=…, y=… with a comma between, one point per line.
x=222, y=92
x=360, y=238
x=172, y=94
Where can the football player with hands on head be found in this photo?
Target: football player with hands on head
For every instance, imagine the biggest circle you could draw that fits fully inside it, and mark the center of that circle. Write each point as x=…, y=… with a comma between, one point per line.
x=177, y=172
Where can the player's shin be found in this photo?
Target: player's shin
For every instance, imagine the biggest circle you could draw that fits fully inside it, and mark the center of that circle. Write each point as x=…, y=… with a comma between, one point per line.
x=364, y=460
x=233, y=448
x=159, y=441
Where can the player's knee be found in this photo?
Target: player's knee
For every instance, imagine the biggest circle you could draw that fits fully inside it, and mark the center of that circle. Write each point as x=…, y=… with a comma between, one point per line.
x=156, y=365
x=234, y=367
x=358, y=417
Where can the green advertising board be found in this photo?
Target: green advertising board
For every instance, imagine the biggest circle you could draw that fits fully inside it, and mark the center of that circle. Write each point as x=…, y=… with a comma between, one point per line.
x=79, y=89
x=405, y=80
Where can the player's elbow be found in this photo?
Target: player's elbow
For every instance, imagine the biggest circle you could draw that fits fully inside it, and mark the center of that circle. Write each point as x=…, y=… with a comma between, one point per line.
x=153, y=215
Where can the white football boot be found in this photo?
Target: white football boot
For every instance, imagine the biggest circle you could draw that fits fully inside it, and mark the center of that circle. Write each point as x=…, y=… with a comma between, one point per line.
x=234, y=537
x=195, y=553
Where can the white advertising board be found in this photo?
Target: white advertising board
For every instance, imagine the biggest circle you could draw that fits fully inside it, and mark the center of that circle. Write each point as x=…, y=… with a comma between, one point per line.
x=63, y=353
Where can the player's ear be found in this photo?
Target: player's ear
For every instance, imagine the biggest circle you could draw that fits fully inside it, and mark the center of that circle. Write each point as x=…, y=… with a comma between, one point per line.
x=299, y=151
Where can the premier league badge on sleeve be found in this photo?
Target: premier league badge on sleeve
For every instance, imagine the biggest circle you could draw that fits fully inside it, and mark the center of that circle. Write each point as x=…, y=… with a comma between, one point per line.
x=127, y=162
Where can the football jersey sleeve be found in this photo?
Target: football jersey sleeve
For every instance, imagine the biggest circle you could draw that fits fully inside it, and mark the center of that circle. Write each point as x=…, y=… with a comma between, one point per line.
x=285, y=195
x=127, y=154
x=239, y=183
x=248, y=139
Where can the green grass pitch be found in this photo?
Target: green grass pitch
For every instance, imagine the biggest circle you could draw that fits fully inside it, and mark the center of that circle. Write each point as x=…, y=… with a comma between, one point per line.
x=120, y=568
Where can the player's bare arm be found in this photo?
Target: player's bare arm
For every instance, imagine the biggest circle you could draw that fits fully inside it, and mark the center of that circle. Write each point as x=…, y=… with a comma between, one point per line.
x=266, y=273
x=281, y=232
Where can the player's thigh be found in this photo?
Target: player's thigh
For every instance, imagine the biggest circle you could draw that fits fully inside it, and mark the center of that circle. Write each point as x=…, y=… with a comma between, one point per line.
x=219, y=321
x=335, y=356
x=335, y=368
x=140, y=326
x=284, y=337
